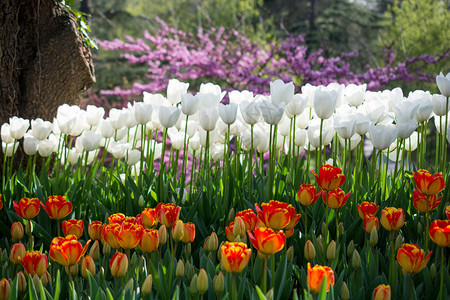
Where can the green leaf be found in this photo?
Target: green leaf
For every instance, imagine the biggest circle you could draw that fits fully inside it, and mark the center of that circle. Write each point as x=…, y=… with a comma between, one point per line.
x=260, y=294
x=57, y=286
x=31, y=290
x=14, y=292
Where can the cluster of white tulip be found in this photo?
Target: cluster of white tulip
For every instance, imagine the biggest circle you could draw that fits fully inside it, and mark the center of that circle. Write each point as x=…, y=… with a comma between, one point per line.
x=308, y=120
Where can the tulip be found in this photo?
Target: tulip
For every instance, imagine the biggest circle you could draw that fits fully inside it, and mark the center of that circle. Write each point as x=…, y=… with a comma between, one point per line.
x=9, y=149
x=219, y=283
x=234, y=257
x=116, y=218
x=117, y=118
x=443, y=83
x=18, y=127
x=211, y=243
x=331, y=251
x=5, y=289
x=309, y=251
x=147, y=285
x=296, y=106
x=27, y=208
x=179, y=271
x=277, y=215
x=202, y=282
x=168, y=115
x=30, y=145
x=316, y=275
x=392, y=218
x=21, y=282
x=208, y=117
x=57, y=207
x=167, y=214
x=94, y=252
x=267, y=241
x=228, y=112
x=271, y=112
x=382, y=136
x=405, y=129
x=325, y=103
x=329, y=178
x=411, y=258
x=211, y=93
x=175, y=90
x=34, y=263
x=87, y=265
x=95, y=230
x=251, y=112
x=447, y=211
x=425, y=110
x=249, y=218
x=440, y=232
x=178, y=231
x=382, y=292
x=281, y=92
x=427, y=183
x=149, y=218
x=307, y=194
x=16, y=231
x=162, y=234
x=420, y=202
x=129, y=234
x=118, y=265
x=367, y=208
x=67, y=251
x=354, y=94
x=336, y=198
x=17, y=251
x=6, y=134
x=356, y=259
x=94, y=115
x=439, y=105
x=189, y=233
x=74, y=227
x=345, y=125
x=370, y=222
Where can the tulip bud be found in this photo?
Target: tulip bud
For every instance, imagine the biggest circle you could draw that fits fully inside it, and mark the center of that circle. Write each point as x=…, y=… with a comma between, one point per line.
x=189, y=270
x=147, y=285
x=46, y=278
x=202, y=282
x=331, y=251
x=118, y=264
x=350, y=248
x=193, y=285
x=324, y=229
x=178, y=231
x=269, y=295
x=16, y=231
x=288, y=179
x=432, y=271
x=21, y=283
x=73, y=269
x=106, y=249
x=211, y=243
x=94, y=252
x=419, y=227
x=3, y=255
x=341, y=229
x=29, y=227
x=310, y=251
x=187, y=249
x=373, y=237
x=320, y=243
x=129, y=286
x=356, y=260
x=219, y=283
x=36, y=282
x=87, y=265
x=5, y=289
x=141, y=202
x=134, y=259
x=290, y=254
x=180, y=269
x=399, y=242
x=162, y=234
x=239, y=227
x=231, y=215
x=17, y=250
x=345, y=293
x=101, y=274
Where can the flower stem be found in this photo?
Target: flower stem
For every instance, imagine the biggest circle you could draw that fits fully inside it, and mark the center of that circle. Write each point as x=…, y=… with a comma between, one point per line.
x=234, y=294
x=441, y=296
x=264, y=275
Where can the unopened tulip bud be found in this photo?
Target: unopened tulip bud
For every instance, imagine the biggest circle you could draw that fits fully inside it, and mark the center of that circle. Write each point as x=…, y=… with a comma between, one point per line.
x=3, y=255
x=310, y=251
x=324, y=229
x=72, y=269
x=341, y=229
x=356, y=260
x=189, y=270
x=231, y=215
x=187, y=249
x=101, y=274
x=288, y=179
x=373, y=237
x=345, y=293
x=269, y=295
x=29, y=227
x=211, y=243
x=331, y=250
x=162, y=234
x=5, y=289
x=106, y=249
x=134, y=259
x=94, y=252
x=239, y=227
x=350, y=248
x=290, y=254
x=419, y=227
x=193, y=285
x=36, y=281
x=432, y=271
x=398, y=242
x=16, y=231
x=178, y=231
x=87, y=265
x=147, y=285
x=320, y=244
x=129, y=286
x=118, y=265
x=202, y=282
x=180, y=269
x=17, y=250
x=382, y=292
x=21, y=282
x=219, y=283
x=46, y=278
x=141, y=201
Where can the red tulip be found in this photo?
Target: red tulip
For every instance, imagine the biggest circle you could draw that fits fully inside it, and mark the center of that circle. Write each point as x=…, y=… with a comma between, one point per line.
x=95, y=230
x=57, y=207
x=234, y=257
x=27, y=208
x=74, y=227
x=370, y=222
x=34, y=263
x=118, y=264
x=267, y=241
x=149, y=219
x=67, y=251
x=116, y=218
x=189, y=233
x=427, y=183
x=249, y=218
x=336, y=199
x=307, y=194
x=440, y=232
x=367, y=208
x=167, y=214
x=411, y=258
x=316, y=275
x=329, y=178
x=277, y=215
x=420, y=201
x=392, y=218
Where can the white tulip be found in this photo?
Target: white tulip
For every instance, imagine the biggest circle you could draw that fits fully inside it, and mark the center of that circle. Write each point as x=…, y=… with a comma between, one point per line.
x=194, y=142
x=47, y=147
x=228, y=112
x=18, y=127
x=94, y=115
x=117, y=118
x=156, y=100
x=118, y=150
x=30, y=145
x=189, y=104
x=374, y=109
x=354, y=141
x=213, y=89
x=424, y=112
x=133, y=157
x=271, y=112
x=382, y=136
x=208, y=117
x=175, y=90
x=354, y=94
x=74, y=155
x=325, y=103
x=168, y=115
x=300, y=137
x=284, y=128
x=246, y=139
x=6, y=134
x=314, y=133
x=9, y=149
x=41, y=129
x=439, y=104
x=405, y=129
x=176, y=138
x=281, y=92
x=309, y=91
x=90, y=140
x=251, y=112
x=143, y=112
x=345, y=125
x=106, y=129
x=238, y=97
x=216, y=151
x=412, y=142
x=443, y=84
x=302, y=121
x=362, y=123
x=405, y=110
x=66, y=117
x=296, y=106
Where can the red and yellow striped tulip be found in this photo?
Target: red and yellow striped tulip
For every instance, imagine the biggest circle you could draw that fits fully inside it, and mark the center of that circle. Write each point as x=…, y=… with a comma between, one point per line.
x=367, y=208
x=249, y=218
x=118, y=264
x=336, y=199
x=167, y=214
x=420, y=201
x=34, y=263
x=267, y=241
x=277, y=215
x=329, y=178
x=307, y=194
x=189, y=233
x=27, y=208
x=74, y=227
x=427, y=183
x=316, y=275
x=234, y=257
x=95, y=229
x=411, y=258
x=382, y=292
x=149, y=219
x=150, y=241
x=392, y=218
x=370, y=222
x=67, y=251
x=440, y=232
x=57, y=207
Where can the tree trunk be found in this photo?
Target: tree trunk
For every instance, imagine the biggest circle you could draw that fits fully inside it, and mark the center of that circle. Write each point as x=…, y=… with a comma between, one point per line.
x=44, y=62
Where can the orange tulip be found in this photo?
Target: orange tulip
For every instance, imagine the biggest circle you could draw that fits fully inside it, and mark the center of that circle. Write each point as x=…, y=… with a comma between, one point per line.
x=367, y=208
x=67, y=251
x=57, y=207
x=149, y=241
x=27, y=208
x=110, y=233
x=382, y=292
x=440, y=232
x=229, y=232
x=392, y=218
x=189, y=233
x=267, y=241
x=16, y=231
x=307, y=194
x=329, y=178
x=336, y=198
x=34, y=263
x=370, y=222
x=17, y=250
x=5, y=289
x=74, y=227
x=116, y=218
x=316, y=275
x=447, y=211
x=149, y=219
x=420, y=201
x=95, y=229
x=87, y=265
x=427, y=183
x=129, y=235
x=167, y=214
x=118, y=264
x=234, y=257
x=277, y=215
x=249, y=218
x=411, y=258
